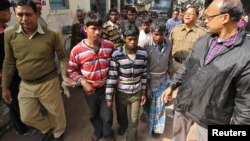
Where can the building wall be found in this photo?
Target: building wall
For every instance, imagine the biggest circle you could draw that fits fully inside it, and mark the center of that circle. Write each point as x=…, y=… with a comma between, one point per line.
x=56, y=19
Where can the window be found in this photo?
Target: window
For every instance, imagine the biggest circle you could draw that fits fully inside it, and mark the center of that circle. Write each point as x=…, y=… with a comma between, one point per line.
x=58, y=4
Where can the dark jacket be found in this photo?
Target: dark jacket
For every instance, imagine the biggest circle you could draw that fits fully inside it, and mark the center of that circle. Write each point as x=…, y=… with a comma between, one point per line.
x=77, y=34
x=218, y=93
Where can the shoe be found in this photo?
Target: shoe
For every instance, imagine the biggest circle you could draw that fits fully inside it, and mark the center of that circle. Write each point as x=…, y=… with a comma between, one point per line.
x=59, y=138
x=45, y=137
x=121, y=131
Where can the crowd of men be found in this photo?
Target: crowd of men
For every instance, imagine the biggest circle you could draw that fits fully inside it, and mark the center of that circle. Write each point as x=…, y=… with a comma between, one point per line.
x=131, y=62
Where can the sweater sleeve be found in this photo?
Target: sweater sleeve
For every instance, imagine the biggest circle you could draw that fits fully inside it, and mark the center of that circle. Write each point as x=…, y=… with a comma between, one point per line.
x=112, y=78
x=73, y=67
x=61, y=54
x=9, y=63
x=144, y=75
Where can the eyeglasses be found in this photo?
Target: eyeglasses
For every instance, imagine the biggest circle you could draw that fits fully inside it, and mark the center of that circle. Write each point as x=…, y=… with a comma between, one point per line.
x=209, y=18
x=189, y=14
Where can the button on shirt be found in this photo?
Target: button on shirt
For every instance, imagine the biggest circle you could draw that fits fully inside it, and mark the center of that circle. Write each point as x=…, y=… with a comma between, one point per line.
x=218, y=45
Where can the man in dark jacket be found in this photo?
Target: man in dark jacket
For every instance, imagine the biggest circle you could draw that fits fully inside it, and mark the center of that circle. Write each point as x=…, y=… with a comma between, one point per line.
x=77, y=32
x=215, y=79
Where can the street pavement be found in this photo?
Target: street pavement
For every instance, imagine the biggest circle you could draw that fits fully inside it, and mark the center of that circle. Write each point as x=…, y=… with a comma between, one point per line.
x=80, y=129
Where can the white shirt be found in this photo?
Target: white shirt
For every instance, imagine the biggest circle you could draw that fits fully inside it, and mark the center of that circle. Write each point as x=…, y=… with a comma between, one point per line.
x=142, y=38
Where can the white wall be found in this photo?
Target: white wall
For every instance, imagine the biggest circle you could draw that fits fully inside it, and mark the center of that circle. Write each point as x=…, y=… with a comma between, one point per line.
x=58, y=18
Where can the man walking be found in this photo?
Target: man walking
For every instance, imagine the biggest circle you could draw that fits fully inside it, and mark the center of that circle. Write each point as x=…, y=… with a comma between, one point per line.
x=39, y=12
x=111, y=29
x=14, y=111
x=214, y=81
x=159, y=50
x=30, y=48
x=183, y=37
x=127, y=74
x=88, y=66
x=171, y=23
x=77, y=31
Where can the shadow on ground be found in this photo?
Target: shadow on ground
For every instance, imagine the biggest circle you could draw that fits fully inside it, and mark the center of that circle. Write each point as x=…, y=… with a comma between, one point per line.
x=79, y=127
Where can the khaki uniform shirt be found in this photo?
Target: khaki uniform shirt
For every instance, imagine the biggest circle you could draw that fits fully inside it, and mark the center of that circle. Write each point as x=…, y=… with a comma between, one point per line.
x=184, y=40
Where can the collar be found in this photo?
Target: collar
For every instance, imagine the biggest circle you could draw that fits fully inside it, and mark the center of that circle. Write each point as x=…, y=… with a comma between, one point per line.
x=113, y=24
x=227, y=42
x=123, y=49
x=194, y=28
x=164, y=43
x=39, y=29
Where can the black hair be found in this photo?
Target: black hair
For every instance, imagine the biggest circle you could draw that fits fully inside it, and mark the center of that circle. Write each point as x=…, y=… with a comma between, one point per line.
x=79, y=10
x=146, y=19
x=154, y=14
x=196, y=9
x=113, y=10
x=132, y=10
x=92, y=19
x=176, y=10
x=130, y=30
x=158, y=26
x=28, y=3
x=234, y=8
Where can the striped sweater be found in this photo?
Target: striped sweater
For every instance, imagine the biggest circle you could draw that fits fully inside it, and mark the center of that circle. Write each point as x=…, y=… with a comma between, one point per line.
x=89, y=64
x=126, y=75
x=111, y=31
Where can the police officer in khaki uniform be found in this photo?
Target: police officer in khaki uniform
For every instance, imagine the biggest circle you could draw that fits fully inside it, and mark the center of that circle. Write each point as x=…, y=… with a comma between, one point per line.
x=183, y=37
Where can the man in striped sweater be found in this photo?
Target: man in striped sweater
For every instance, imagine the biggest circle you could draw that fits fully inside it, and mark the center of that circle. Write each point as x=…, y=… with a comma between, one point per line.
x=111, y=29
x=88, y=67
x=127, y=74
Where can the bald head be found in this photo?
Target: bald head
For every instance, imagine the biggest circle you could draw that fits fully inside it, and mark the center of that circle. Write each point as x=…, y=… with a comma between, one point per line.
x=222, y=17
x=218, y=3
x=233, y=7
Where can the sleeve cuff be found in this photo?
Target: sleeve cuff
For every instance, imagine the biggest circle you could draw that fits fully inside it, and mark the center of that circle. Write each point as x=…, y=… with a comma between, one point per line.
x=173, y=85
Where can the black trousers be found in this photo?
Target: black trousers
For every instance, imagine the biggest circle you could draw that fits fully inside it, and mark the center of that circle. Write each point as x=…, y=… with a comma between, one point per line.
x=14, y=107
x=101, y=116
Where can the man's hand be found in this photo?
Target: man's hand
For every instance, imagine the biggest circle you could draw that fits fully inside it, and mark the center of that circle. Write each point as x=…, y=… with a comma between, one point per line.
x=149, y=94
x=167, y=95
x=143, y=99
x=6, y=95
x=109, y=103
x=68, y=82
x=89, y=90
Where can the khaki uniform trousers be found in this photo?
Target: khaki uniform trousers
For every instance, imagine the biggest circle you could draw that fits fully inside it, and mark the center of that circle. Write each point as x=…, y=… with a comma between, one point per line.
x=34, y=96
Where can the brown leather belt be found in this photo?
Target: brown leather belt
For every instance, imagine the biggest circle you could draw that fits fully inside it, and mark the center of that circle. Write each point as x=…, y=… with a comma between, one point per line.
x=39, y=78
